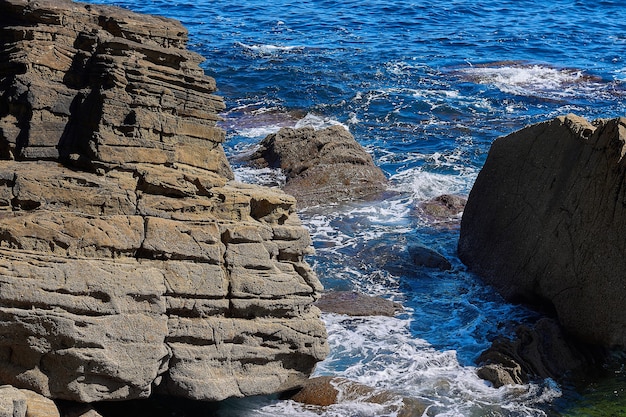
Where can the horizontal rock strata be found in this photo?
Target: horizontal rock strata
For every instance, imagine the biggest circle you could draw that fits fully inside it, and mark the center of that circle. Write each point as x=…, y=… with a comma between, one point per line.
x=131, y=263
x=544, y=223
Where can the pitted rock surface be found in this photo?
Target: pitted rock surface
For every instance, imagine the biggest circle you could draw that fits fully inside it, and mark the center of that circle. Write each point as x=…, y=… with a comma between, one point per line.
x=131, y=262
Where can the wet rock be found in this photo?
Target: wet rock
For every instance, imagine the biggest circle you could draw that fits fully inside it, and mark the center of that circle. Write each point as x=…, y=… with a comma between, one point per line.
x=544, y=223
x=321, y=166
x=443, y=210
x=131, y=262
x=355, y=304
x=401, y=258
x=326, y=390
x=537, y=352
x=428, y=258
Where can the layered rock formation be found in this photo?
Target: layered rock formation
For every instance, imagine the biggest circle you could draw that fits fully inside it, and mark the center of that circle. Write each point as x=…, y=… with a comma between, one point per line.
x=321, y=166
x=131, y=264
x=545, y=220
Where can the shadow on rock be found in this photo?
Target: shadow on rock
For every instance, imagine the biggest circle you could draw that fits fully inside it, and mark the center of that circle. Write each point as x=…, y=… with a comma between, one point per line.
x=537, y=352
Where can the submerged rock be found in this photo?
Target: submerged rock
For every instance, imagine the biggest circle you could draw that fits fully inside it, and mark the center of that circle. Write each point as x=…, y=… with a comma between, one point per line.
x=321, y=166
x=355, y=304
x=544, y=223
x=443, y=210
x=428, y=258
x=132, y=264
x=395, y=255
x=326, y=390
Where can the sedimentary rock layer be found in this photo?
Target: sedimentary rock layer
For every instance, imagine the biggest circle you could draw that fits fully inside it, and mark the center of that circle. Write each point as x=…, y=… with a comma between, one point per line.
x=130, y=262
x=545, y=220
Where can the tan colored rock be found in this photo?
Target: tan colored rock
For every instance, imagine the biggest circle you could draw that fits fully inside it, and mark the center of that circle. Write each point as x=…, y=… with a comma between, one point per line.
x=544, y=223
x=12, y=402
x=39, y=406
x=131, y=262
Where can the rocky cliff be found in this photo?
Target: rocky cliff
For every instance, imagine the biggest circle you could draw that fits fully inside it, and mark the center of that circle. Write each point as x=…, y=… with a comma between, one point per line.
x=130, y=262
x=545, y=223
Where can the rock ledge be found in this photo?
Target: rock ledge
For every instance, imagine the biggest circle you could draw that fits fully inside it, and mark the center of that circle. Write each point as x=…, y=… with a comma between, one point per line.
x=132, y=263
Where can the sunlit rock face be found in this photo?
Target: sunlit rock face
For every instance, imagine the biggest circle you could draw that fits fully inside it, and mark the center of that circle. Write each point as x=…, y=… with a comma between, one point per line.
x=131, y=263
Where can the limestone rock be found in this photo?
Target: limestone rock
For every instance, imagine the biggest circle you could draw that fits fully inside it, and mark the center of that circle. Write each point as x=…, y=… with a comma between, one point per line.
x=355, y=304
x=39, y=406
x=544, y=223
x=131, y=262
x=102, y=85
x=443, y=210
x=12, y=402
x=321, y=166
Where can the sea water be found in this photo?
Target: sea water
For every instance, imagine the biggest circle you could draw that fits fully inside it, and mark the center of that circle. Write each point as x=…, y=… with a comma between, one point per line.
x=425, y=87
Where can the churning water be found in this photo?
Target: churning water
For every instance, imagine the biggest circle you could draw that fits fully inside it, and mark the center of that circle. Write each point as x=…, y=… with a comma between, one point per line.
x=425, y=87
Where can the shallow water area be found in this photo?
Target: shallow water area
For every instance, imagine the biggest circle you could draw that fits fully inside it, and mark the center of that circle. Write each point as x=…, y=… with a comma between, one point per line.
x=425, y=87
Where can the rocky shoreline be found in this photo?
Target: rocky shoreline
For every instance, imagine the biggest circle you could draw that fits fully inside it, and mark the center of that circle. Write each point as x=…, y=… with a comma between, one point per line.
x=135, y=267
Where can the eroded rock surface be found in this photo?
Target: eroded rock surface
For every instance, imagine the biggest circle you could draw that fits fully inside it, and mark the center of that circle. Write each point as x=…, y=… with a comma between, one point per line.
x=131, y=263
x=321, y=166
x=537, y=352
x=544, y=223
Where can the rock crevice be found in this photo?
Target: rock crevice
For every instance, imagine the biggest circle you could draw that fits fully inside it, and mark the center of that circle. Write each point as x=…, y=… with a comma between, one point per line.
x=132, y=263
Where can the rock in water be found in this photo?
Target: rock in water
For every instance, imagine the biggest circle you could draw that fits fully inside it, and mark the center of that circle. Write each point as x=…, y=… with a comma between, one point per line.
x=130, y=262
x=325, y=391
x=355, y=304
x=544, y=223
x=321, y=166
x=537, y=352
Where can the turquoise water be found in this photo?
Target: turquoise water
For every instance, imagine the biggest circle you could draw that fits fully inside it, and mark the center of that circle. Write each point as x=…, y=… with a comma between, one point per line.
x=425, y=87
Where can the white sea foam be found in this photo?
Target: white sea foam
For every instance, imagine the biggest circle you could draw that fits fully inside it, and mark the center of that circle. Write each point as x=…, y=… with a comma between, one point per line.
x=266, y=49
x=270, y=177
x=318, y=122
x=537, y=80
x=381, y=352
x=259, y=131
x=426, y=185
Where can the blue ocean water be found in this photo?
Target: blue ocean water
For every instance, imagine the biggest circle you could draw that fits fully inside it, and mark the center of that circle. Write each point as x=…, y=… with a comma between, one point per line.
x=425, y=87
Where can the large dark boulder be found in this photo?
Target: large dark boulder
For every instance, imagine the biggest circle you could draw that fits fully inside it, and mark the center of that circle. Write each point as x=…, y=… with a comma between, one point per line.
x=321, y=166
x=546, y=223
